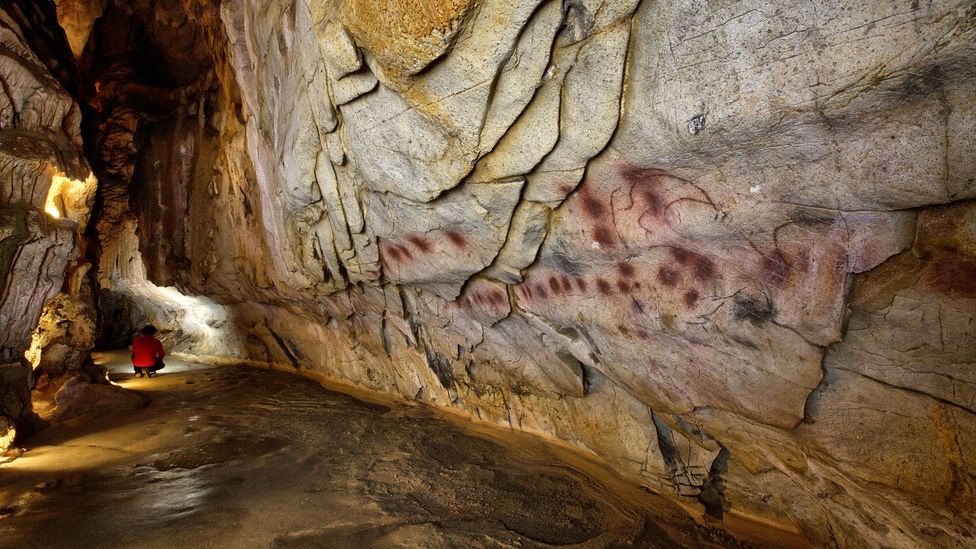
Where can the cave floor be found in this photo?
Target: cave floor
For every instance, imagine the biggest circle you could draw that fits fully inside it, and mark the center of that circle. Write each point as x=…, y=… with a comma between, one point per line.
x=245, y=457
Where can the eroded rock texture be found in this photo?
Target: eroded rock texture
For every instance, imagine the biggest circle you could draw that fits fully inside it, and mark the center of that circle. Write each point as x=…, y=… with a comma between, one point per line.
x=729, y=248
x=45, y=195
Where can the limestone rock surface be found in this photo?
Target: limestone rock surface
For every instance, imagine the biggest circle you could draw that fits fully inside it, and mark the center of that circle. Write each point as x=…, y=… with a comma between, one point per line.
x=46, y=191
x=727, y=248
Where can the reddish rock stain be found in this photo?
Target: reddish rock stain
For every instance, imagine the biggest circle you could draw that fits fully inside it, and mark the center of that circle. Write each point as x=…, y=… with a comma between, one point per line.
x=637, y=306
x=681, y=255
x=626, y=270
x=554, y=285
x=691, y=298
x=654, y=203
x=603, y=237
x=421, y=243
x=774, y=269
x=702, y=268
x=396, y=253
x=592, y=206
x=642, y=334
x=456, y=238
x=648, y=181
x=636, y=174
x=953, y=275
x=603, y=286
x=498, y=297
x=668, y=276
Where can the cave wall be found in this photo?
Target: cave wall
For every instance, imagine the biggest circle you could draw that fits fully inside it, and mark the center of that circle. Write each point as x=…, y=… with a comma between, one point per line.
x=45, y=196
x=728, y=248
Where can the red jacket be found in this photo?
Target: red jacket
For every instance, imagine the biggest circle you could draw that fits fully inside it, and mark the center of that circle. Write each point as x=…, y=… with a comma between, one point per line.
x=146, y=350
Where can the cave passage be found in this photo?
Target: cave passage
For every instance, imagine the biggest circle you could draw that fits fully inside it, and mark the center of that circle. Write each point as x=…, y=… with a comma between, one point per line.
x=246, y=457
x=718, y=258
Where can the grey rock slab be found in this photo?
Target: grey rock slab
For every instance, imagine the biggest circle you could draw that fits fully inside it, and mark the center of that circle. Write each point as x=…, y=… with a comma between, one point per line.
x=588, y=111
x=444, y=242
x=401, y=150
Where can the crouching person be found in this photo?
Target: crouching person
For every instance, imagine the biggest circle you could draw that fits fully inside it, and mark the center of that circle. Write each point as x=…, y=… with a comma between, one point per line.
x=147, y=353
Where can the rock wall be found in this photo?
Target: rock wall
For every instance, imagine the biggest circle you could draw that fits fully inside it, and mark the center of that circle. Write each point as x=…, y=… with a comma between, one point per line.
x=728, y=248
x=45, y=195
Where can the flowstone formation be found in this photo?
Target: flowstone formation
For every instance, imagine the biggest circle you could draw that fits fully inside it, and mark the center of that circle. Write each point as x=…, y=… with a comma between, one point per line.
x=728, y=248
x=45, y=196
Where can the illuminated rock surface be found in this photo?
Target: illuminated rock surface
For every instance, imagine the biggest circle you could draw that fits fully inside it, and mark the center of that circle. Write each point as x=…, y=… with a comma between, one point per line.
x=240, y=457
x=730, y=249
x=45, y=195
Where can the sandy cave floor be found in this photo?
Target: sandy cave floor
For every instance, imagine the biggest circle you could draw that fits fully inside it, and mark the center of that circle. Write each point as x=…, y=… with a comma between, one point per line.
x=245, y=457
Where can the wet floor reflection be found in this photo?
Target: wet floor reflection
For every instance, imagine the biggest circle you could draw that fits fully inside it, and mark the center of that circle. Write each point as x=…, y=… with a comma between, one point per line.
x=239, y=457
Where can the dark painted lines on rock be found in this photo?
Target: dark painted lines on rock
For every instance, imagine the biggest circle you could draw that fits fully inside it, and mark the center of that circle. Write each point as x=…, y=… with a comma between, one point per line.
x=421, y=243
x=394, y=253
x=485, y=298
x=456, y=238
x=702, y=268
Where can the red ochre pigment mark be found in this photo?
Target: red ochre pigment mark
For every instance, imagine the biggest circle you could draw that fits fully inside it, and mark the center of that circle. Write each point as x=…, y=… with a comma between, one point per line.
x=691, y=298
x=646, y=184
x=554, y=285
x=623, y=286
x=486, y=299
x=421, y=243
x=642, y=334
x=952, y=275
x=701, y=267
x=626, y=270
x=592, y=206
x=565, y=189
x=668, y=276
x=603, y=286
x=654, y=204
x=581, y=284
x=567, y=285
x=456, y=238
x=636, y=174
x=396, y=253
x=603, y=237
x=774, y=268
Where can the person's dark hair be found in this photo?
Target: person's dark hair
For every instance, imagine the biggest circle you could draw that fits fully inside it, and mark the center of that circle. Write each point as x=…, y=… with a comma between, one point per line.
x=149, y=330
